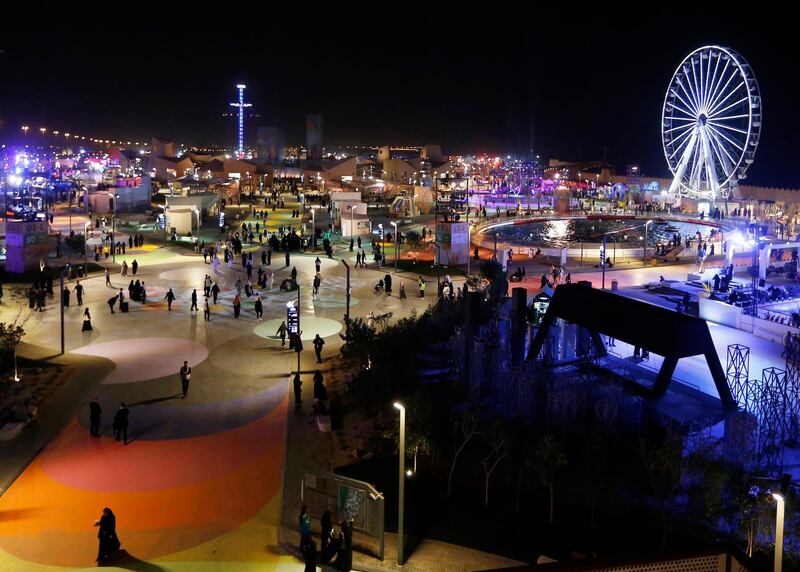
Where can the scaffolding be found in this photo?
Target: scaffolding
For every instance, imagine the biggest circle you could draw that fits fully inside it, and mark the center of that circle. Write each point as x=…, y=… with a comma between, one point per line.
x=771, y=409
x=738, y=374
x=792, y=353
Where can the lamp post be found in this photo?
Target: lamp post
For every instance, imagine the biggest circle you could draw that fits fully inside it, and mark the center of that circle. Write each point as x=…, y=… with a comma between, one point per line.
x=299, y=333
x=350, y=208
x=401, y=473
x=85, y=247
x=645, y=242
x=469, y=246
x=603, y=261
x=61, y=294
x=779, y=518
x=313, y=229
x=347, y=306
x=113, y=198
x=394, y=224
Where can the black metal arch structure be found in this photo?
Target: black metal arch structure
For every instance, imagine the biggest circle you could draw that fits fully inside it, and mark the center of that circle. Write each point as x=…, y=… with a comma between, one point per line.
x=664, y=332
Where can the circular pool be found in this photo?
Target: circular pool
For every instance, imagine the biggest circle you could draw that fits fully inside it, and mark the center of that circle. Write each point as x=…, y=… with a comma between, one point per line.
x=563, y=233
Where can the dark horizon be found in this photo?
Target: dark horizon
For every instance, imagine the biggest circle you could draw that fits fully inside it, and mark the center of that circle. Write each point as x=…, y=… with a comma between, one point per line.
x=567, y=87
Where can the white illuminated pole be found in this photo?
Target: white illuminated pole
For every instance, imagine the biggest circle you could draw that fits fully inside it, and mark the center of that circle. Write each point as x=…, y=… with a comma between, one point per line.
x=645, y=241
x=241, y=105
x=779, y=518
x=402, y=482
x=394, y=224
x=469, y=247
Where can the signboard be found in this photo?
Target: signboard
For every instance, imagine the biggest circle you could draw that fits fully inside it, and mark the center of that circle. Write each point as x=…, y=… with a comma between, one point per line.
x=292, y=319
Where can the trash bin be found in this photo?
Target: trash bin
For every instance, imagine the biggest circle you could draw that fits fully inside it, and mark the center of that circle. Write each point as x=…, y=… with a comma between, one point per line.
x=614, y=285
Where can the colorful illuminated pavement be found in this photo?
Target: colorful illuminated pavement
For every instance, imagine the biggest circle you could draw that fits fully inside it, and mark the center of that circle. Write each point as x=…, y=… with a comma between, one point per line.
x=199, y=485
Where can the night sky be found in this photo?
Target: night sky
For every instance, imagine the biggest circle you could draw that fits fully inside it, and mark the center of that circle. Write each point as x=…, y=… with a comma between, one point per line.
x=571, y=82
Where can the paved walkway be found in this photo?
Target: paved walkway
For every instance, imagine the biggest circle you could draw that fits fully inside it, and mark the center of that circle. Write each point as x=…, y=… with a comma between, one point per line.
x=199, y=485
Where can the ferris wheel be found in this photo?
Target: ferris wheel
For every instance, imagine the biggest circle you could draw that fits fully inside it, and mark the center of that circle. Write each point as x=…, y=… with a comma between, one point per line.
x=710, y=122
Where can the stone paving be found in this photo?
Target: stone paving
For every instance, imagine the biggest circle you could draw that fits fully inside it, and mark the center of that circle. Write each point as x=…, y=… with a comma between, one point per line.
x=199, y=484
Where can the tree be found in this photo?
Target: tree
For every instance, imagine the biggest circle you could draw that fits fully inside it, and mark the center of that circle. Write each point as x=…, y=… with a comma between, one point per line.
x=496, y=435
x=419, y=426
x=665, y=468
x=549, y=460
x=359, y=341
x=465, y=427
x=11, y=334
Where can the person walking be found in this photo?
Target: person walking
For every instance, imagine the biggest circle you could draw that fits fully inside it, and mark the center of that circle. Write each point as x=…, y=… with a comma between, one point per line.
x=402, y=290
x=215, y=292
x=317, y=264
x=124, y=268
x=194, y=301
x=287, y=257
x=207, y=286
x=206, y=311
x=65, y=293
x=421, y=287
x=318, y=344
x=315, y=286
x=297, y=384
x=186, y=375
x=134, y=266
x=79, y=292
x=107, y=535
x=259, y=307
x=170, y=298
x=95, y=411
x=237, y=305
x=108, y=277
x=282, y=329
x=358, y=259
x=87, y=321
x=120, y=424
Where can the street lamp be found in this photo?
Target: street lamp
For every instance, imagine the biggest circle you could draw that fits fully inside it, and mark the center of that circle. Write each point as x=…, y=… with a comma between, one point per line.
x=113, y=227
x=313, y=229
x=401, y=472
x=469, y=246
x=63, y=271
x=351, y=209
x=779, y=518
x=394, y=224
x=645, y=241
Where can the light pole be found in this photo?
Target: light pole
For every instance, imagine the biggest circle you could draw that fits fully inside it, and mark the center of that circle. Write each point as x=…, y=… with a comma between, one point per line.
x=65, y=269
x=645, y=241
x=779, y=518
x=113, y=198
x=352, y=232
x=603, y=261
x=86, y=247
x=347, y=306
x=469, y=247
x=394, y=224
x=401, y=472
x=313, y=229
x=299, y=333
